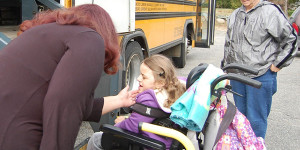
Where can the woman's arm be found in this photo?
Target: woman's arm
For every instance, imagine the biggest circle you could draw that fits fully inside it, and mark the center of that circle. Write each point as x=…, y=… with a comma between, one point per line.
x=282, y=31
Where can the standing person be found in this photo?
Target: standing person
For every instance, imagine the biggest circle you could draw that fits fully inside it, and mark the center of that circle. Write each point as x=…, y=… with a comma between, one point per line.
x=258, y=35
x=48, y=75
x=159, y=88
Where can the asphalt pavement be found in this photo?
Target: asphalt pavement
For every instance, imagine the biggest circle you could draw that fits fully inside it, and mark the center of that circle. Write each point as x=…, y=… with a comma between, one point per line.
x=284, y=122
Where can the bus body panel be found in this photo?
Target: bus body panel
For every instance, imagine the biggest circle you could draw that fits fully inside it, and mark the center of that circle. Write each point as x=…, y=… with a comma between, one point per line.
x=163, y=6
x=122, y=12
x=163, y=21
x=161, y=31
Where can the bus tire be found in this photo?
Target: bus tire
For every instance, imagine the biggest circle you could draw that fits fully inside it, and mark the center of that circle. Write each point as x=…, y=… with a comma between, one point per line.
x=133, y=58
x=180, y=61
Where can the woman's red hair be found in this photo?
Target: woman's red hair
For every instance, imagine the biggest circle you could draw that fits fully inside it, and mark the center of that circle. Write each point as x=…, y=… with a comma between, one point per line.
x=88, y=15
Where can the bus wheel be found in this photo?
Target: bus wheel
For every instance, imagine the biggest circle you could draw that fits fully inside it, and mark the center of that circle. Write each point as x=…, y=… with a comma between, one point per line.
x=179, y=62
x=133, y=57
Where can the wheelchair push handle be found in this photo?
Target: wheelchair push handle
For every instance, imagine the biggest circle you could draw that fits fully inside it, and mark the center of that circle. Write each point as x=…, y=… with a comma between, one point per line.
x=240, y=67
x=236, y=77
x=167, y=132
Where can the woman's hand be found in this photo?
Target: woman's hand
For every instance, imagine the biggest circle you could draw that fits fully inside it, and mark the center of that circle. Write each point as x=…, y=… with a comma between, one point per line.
x=274, y=68
x=126, y=97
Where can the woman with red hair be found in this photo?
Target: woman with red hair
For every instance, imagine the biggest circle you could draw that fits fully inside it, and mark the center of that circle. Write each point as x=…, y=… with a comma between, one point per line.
x=48, y=75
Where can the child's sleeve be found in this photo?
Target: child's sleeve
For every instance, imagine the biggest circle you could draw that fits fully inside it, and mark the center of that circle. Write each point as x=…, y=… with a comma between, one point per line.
x=132, y=122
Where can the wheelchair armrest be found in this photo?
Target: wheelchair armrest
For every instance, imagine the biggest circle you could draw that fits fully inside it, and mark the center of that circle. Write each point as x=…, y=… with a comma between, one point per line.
x=236, y=77
x=133, y=137
x=241, y=67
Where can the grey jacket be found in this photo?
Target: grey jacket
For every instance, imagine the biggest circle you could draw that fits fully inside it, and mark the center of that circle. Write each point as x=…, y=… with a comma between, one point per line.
x=259, y=38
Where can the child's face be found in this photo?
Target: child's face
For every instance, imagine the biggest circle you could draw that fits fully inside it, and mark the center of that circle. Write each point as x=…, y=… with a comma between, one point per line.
x=146, y=78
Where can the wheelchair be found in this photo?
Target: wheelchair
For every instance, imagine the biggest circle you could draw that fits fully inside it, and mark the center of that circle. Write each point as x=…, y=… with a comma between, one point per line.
x=116, y=138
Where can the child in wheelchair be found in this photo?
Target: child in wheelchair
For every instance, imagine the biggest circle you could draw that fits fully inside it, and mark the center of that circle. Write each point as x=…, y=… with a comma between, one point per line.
x=227, y=130
x=158, y=89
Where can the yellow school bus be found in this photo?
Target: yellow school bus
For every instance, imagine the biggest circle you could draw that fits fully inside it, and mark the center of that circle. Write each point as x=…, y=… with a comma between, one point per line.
x=147, y=27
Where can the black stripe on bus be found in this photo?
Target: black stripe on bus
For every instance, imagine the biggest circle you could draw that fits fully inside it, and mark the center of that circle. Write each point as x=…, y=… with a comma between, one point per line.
x=183, y=2
x=166, y=46
x=157, y=15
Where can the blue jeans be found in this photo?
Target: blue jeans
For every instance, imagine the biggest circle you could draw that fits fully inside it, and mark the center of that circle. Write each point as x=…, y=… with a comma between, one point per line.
x=256, y=103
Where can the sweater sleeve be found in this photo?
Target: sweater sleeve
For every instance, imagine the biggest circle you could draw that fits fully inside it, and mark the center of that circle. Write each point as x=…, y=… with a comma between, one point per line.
x=96, y=112
x=70, y=97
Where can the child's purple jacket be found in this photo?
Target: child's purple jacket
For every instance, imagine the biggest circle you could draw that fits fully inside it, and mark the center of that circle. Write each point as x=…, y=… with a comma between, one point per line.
x=148, y=98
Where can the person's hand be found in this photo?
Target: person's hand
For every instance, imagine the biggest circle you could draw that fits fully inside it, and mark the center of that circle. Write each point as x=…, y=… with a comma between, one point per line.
x=274, y=68
x=120, y=119
x=127, y=97
x=124, y=99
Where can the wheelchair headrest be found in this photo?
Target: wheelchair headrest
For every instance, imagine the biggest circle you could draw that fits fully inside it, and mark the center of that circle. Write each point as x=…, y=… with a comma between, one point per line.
x=195, y=74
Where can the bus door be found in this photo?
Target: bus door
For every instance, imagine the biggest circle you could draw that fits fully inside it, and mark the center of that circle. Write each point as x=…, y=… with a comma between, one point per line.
x=205, y=23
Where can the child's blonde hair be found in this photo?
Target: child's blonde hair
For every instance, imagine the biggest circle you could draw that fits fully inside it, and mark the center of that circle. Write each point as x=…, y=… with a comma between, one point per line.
x=164, y=71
